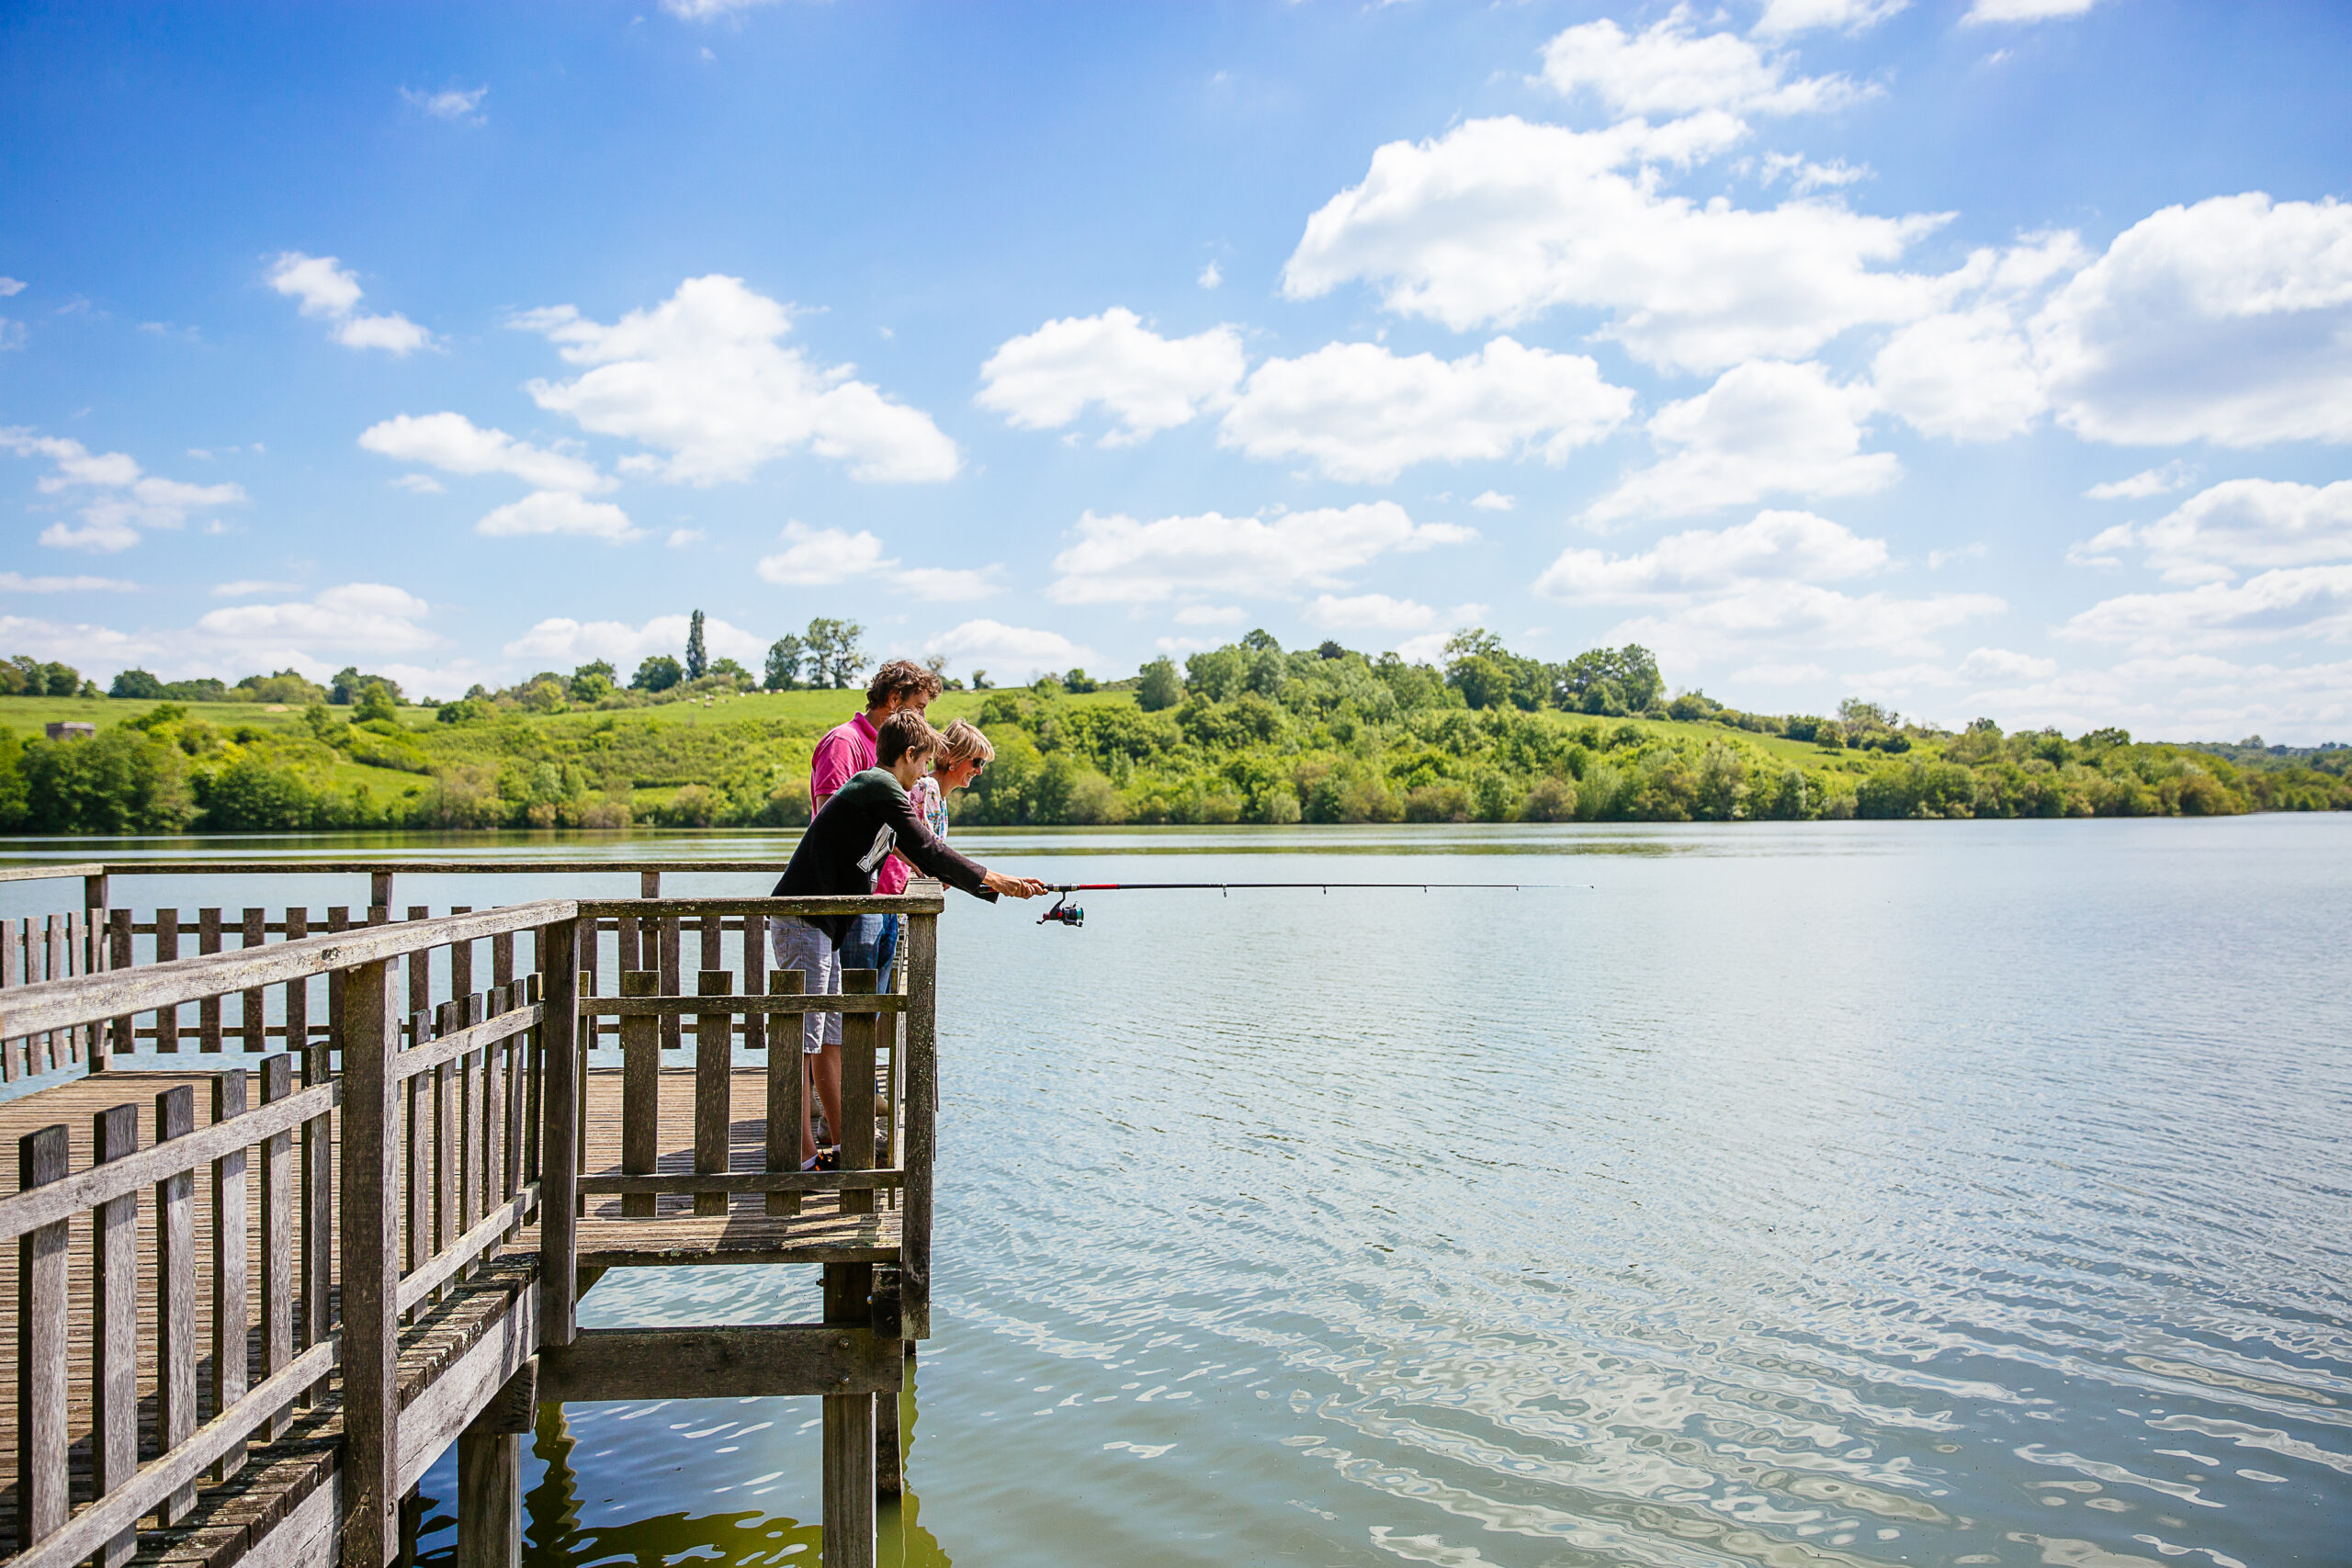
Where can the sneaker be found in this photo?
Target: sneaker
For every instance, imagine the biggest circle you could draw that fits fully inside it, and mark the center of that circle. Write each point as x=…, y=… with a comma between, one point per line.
x=828, y=1159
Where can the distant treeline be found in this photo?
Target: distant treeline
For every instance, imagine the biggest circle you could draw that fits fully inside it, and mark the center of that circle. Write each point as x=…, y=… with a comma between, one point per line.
x=1244, y=733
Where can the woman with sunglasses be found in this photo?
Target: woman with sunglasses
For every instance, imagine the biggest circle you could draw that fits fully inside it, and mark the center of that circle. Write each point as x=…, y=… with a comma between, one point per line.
x=962, y=753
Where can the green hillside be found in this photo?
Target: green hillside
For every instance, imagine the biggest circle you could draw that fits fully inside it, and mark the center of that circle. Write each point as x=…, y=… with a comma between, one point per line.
x=1246, y=733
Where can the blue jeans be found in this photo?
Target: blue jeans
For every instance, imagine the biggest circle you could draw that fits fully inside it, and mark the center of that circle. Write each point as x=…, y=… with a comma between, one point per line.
x=872, y=944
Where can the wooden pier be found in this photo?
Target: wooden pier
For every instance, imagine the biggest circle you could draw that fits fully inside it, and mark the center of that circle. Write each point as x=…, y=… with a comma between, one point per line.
x=296, y=1212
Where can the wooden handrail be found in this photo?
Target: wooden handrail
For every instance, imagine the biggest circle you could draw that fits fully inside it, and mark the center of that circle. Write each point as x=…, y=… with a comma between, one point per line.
x=688, y=1006
x=49, y=873
x=92, y=998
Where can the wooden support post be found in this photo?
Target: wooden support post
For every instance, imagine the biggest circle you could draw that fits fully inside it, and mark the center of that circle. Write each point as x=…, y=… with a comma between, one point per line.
x=640, y=1091
x=276, y=1232
x=673, y=985
x=93, y=891
x=489, y=1474
x=755, y=981
x=41, y=1431
x=921, y=1111
x=380, y=890
x=787, y=1077
x=369, y=1029
x=560, y=1131
x=714, y=1061
x=849, y=1478
x=175, y=1290
x=114, y=1328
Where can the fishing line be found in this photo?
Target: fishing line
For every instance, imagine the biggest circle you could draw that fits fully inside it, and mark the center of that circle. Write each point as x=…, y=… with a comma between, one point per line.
x=1066, y=913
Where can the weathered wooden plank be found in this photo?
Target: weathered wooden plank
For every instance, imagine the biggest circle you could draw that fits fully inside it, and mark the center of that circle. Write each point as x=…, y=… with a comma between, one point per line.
x=560, y=1150
x=489, y=1499
x=698, y=1241
x=114, y=1328
x=25, y=1210
x=125, y=1027
x=788, y=1081
x=774, y=1360
x=755, y=982
x=87, y=869
x=42, y=1336
x=921, y=1120
x=85, y=998
x=370, y=1033
x=462, y=1042
x=848, y=1419
x=714, y=1061
x=15, y=1054
x=640, y=1088
x=276, y=1229
x=204, y=1450
x=175, y=1283
x=904, y=904
x=230, y=1302
x=444, y=1264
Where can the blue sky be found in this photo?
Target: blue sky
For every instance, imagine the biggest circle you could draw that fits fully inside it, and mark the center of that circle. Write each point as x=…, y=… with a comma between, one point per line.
x=1981, y=356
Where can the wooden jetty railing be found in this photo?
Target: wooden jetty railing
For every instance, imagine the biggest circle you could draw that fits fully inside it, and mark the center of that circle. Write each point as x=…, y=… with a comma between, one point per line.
x=409, y=1141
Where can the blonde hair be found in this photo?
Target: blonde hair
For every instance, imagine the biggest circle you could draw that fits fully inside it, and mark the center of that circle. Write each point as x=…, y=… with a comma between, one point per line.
x=962, y=742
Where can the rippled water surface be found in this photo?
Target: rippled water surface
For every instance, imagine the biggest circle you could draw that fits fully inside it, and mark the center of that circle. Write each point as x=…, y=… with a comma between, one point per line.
x=1953, y=1193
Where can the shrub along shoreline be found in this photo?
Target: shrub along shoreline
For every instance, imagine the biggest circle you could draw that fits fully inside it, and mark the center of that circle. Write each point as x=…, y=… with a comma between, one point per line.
x=1246, y=733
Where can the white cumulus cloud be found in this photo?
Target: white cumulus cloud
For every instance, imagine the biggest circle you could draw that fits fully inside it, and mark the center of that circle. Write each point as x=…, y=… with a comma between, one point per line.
x=1967, y=375
x=2239, y=524
x=820, y=557
x=1669, y=69
x=1784, y=17
x=454, y=104
x=17, y=582
x=353, y=618
x=121, y=498
x=1500, y=221
x=327, y=290
x=1762, y=429
x=560, y=641
x=2308, y=601
x=1759, y=589
x=2145, y=483
x=705, y=378
x=1361, y=413
x=2228, y=321
x=1010, y=652
x=455, y=444
x=1369, y=611
x=1117, y=559
x=1146, y=382
x=2024, y=11
x=558, y=512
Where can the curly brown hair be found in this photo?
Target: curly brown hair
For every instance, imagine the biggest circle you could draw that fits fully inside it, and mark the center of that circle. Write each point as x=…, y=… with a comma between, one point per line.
x=902, y=678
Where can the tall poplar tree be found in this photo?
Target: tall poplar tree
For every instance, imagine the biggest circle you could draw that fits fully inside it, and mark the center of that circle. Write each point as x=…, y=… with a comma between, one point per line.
x=697, y=656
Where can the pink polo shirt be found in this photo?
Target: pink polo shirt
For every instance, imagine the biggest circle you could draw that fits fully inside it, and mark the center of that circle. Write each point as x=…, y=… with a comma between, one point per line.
x=847, y=750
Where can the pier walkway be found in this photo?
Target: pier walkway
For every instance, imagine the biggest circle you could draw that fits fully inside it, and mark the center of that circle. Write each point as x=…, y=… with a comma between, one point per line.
x=292, y=1216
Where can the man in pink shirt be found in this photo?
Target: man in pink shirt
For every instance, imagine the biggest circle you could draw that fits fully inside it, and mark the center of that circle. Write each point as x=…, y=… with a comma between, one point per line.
x=847, y=750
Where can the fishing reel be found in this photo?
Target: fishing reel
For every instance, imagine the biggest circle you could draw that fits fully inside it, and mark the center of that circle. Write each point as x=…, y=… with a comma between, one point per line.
x=1065, y=911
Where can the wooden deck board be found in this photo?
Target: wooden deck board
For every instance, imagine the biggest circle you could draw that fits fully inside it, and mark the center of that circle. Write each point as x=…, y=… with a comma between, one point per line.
x=279, y=1473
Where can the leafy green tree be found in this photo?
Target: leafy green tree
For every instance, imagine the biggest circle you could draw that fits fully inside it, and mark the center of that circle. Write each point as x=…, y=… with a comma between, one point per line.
x=835, y=652
x=1078, y=683
x=350, y=685
x=591, y=683
x=1160, y=686
x=378, y=702
x=735, y=674
x=698, y=656
x=784, y=664
x=1482, y=680
x=138, y=684
x=658, y=672
x=122, y=780
x=1218, y=674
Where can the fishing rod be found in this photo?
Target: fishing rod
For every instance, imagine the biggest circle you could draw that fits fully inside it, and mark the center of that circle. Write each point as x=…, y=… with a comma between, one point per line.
x=1066, y=913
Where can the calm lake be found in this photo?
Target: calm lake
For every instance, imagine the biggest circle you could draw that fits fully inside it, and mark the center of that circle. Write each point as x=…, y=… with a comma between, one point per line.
x=1970, y=1193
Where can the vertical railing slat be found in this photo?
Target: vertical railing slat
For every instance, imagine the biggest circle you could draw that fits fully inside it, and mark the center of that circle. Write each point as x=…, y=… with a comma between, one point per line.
x=787, y=1077
x=640, y=1091
x=230, y=1303
x=207, y=1011
x=276, y=1231
x=126, y=1038
x=714, y=1061
x=253, y=1011
x=175, y=1290
x=16, y=1056
x=167, y=948
x=114, y=1326
x=41, y=1431
x=855, y=1136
